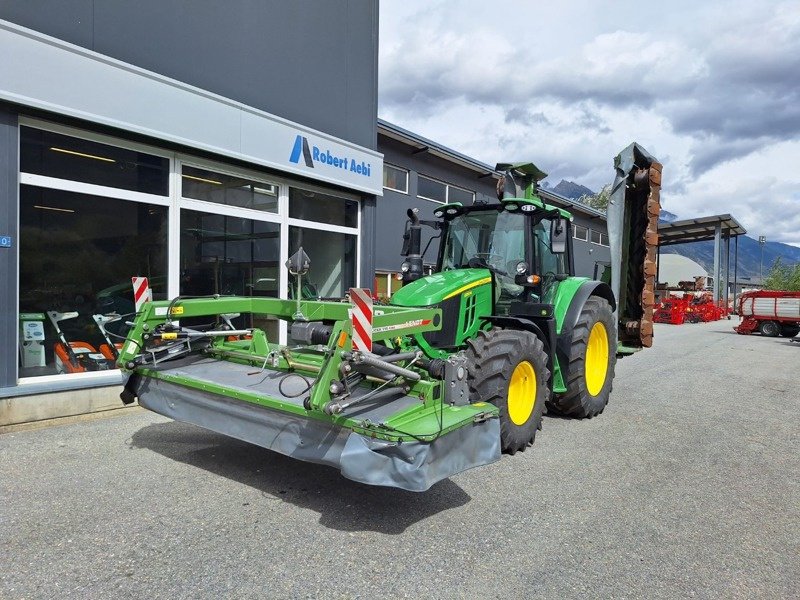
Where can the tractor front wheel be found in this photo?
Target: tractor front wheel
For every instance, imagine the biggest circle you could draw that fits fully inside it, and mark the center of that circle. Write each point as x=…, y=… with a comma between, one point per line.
x=509, y=369
x=593, y=355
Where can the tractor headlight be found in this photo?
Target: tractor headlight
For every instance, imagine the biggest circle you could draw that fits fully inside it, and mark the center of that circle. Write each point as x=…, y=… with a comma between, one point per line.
x=522, y=267
x=405, y=267
x=452, y=211
x=511, y=206
x=438, y=214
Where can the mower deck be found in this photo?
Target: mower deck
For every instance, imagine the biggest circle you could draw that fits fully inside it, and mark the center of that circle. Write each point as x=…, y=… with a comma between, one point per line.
x=224, y=396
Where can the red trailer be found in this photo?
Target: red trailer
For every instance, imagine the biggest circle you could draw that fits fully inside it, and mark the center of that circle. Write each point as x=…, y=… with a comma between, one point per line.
x=771, y=313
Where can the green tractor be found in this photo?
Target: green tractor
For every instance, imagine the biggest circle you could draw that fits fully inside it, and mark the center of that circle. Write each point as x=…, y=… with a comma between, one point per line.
x=534, y=334
x=457, y=369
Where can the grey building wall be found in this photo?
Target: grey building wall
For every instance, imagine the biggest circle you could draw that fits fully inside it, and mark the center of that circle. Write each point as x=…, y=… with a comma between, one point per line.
x=9, y=167
x=311, y=62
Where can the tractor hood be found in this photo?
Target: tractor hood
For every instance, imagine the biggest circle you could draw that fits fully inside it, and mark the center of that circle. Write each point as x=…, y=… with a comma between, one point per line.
x=433, y=289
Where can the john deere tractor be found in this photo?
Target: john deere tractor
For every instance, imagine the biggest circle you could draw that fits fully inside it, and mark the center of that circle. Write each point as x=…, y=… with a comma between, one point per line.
x=459, y=366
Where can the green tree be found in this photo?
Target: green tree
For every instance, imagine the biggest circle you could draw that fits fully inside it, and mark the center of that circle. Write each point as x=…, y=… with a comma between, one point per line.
x=598, y=200
x=783, y=277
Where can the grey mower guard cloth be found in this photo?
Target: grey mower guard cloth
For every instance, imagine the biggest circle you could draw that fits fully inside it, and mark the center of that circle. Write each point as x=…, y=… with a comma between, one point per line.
x=411, y=465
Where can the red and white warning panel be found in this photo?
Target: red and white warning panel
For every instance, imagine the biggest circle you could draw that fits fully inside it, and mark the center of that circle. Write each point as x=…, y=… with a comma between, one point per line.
x=361, y=318
x=141, y=292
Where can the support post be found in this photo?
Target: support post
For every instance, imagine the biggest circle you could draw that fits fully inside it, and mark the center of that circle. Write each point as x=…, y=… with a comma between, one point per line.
x=735, y=268
x=727, y=265
x=717, y=236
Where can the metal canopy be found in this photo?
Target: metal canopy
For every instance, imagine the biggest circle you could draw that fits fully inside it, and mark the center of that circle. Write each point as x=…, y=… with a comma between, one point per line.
x=697, y=230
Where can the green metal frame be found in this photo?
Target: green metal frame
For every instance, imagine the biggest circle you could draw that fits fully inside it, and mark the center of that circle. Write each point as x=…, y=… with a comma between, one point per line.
x=391, y=324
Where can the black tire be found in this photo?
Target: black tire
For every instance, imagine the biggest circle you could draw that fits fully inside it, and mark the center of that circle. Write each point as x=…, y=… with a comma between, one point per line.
x=578, y=401
x=789, y=331
x=493, y=357
x=769, y=328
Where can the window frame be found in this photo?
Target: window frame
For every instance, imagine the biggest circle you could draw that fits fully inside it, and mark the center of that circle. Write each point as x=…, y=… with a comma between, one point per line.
x=575, y=232
x=406, y=171
x=447, y=188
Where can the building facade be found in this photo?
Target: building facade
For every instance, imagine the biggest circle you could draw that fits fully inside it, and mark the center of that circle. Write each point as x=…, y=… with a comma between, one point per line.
x=198, y=145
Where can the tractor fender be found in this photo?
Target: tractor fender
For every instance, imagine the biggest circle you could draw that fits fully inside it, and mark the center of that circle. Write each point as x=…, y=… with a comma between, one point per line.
x=564, y=340
x=544, y=329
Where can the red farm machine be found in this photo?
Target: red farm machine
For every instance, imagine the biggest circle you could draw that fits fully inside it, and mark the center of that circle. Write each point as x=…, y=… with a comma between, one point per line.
x=771, y=313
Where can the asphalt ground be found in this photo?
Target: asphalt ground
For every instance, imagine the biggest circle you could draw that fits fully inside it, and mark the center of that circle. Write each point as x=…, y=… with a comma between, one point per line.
x=687, y=486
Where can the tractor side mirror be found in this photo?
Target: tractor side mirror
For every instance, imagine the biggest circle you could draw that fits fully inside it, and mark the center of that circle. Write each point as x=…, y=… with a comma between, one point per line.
x=559, y=228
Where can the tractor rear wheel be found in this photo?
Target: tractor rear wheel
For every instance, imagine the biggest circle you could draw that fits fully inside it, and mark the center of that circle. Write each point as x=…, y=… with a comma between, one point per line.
x=509, y=369
x=769, y=328
x=789, y=331
x=592, y=357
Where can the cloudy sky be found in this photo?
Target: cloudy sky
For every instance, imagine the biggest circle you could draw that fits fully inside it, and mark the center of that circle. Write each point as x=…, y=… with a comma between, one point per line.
x=712, y=89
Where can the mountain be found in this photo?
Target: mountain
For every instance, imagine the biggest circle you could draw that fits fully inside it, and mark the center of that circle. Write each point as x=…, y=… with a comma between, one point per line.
x=703, y=252
x=667, y=217
x=749, y=255
x=571, y=189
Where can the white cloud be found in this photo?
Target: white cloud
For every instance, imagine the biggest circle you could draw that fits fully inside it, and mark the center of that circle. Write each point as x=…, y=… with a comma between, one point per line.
x=711, y=89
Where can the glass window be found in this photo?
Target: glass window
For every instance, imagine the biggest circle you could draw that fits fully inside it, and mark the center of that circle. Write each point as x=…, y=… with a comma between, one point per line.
x=430, y=189
x=581, y=233
x=395, y=178
x=323, y=208
x=595, y=236
x=65, y=157
x=603, y=239
x=77, y=255
x=228, y=255
x=455, y=194
x=211, y=186
x=333, y=262
x=231, y=256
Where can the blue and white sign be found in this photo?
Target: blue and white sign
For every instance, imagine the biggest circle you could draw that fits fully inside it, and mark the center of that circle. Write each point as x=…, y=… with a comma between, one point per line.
x=5, y=241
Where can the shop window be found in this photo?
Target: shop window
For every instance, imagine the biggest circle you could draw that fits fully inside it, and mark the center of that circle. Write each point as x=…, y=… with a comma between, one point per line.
x=579, y=232
x=333, y=262
x=395, y=178
x=75, y=159
x=211, y=186
x=78, y=253
x=231, y=256
x=322, y=208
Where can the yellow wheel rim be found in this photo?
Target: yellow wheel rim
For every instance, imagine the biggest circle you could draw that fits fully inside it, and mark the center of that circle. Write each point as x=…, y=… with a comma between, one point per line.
x=522, y=393
x=596, y=363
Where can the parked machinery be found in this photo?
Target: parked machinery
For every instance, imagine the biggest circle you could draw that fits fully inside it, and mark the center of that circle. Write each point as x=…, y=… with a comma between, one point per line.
x=461, y=363
x=771, y=313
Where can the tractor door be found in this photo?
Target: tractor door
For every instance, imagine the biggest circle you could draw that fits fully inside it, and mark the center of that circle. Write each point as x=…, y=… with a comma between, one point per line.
x=550, y=266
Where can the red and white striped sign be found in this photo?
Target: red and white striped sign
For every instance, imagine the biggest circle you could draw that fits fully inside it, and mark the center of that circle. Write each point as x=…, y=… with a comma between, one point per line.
x=361, y=318
x=141, y=292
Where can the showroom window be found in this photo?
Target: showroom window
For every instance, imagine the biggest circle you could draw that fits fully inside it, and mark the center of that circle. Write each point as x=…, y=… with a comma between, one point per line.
x=212, y=186
x=395, y=178
x=89, y=220
x=95, y=211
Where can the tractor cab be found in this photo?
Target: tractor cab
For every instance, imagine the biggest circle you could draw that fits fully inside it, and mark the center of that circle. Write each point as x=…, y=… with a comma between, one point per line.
x=523, y=242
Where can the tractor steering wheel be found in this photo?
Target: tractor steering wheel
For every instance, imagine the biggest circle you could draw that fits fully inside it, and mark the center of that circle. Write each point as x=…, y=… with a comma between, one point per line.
x=487, y=260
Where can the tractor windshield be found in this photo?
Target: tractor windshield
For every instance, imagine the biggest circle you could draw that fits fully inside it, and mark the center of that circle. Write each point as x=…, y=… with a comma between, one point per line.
x=485, y=239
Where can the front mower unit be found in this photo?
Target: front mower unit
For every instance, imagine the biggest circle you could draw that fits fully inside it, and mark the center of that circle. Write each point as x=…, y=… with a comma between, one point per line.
x=388, y=417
